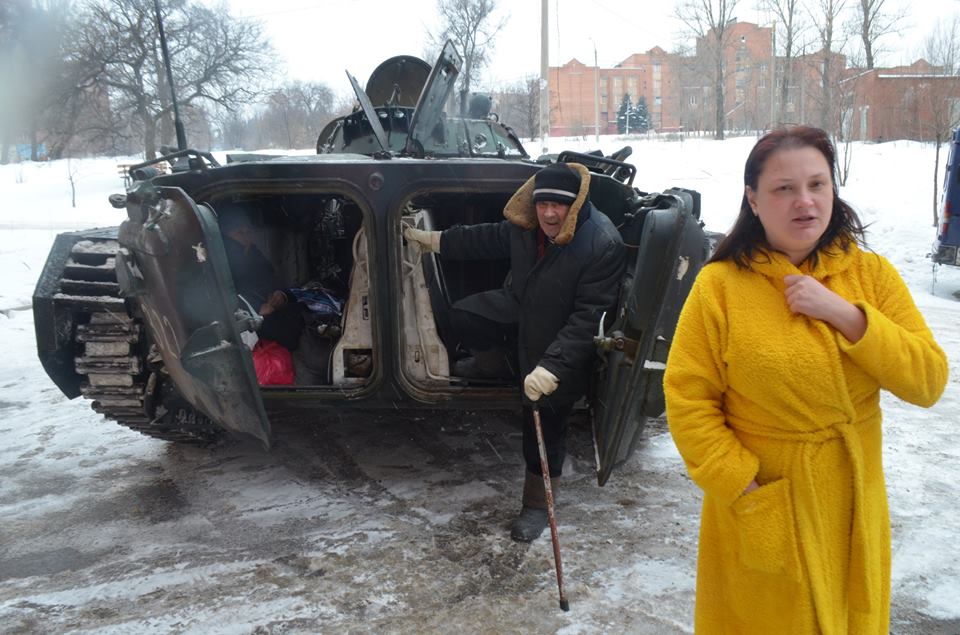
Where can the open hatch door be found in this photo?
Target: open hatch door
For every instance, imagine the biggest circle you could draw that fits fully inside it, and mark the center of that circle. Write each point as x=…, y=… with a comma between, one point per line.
x=371, y=114
x=174, y=265
x=671, y=250
x=429, y=111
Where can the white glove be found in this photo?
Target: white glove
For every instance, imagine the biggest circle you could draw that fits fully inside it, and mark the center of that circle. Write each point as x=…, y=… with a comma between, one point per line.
x=428, y=241
x=540, y=382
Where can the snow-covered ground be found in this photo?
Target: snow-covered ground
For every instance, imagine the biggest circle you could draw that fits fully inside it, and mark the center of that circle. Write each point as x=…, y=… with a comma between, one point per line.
x=48, y=444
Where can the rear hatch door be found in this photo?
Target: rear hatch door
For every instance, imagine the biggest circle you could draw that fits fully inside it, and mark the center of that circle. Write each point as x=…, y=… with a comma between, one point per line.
x=174, y=265
x=670, y=249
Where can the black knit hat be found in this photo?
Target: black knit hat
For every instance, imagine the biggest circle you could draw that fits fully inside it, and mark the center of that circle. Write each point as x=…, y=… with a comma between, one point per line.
x=556, y=182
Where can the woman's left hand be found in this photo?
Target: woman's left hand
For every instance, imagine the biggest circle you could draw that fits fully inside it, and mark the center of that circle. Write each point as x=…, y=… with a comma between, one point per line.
x=806, y=295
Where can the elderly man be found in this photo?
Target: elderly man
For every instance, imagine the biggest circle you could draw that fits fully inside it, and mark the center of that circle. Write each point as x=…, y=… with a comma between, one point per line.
x=566, y=263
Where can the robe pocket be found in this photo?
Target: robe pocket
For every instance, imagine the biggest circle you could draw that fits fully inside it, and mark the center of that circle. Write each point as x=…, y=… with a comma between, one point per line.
x=766, y=531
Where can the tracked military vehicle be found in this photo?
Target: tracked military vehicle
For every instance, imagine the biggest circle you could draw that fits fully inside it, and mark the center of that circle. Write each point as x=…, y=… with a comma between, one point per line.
x=145, y=320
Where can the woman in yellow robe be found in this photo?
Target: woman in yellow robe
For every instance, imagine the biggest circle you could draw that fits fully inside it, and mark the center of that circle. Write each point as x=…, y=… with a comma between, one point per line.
x=773, y=399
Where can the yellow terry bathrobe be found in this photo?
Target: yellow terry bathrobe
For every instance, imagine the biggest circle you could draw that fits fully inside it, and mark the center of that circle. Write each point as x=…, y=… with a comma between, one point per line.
x=754, y=391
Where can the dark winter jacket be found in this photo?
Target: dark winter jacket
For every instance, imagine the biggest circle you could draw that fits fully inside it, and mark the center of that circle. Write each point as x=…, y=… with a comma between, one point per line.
x=557, y=302
x=253, y=274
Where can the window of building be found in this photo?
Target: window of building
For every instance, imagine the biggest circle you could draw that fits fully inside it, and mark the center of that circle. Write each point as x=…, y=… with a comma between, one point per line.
x=954, y=107
x=743, y=60
x=693, y=100
x=656, y=100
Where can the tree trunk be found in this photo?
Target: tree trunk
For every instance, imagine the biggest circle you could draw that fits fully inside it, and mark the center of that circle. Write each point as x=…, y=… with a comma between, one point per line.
x=785, y=88
x=865, y=27
x=149, y=135
x=73, y=184
x=718, y=134
x=826, y=104
x=34, y=154
x=165, y=130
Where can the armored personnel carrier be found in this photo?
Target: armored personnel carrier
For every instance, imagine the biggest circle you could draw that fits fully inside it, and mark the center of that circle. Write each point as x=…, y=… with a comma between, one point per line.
x=146, y=320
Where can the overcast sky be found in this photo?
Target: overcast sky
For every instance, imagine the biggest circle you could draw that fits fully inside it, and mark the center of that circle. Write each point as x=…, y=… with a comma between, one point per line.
x=318, y=39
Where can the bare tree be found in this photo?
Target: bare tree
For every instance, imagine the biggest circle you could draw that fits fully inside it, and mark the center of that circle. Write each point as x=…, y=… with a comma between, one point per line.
x=31, y=69
x=709, y=20
x=847, y=92
x=232, y=128
x=942, y=50
x=16, y=18
x=49, y=98
x=692, y=96
x=873, y=22
x=296, y=113
x=217, y=59
x=518, y=106
x=790, y=23
x=825, y=15
x=468, y=24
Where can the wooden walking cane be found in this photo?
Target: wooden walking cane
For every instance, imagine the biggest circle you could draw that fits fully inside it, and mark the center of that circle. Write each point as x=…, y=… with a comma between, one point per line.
x=545, y=468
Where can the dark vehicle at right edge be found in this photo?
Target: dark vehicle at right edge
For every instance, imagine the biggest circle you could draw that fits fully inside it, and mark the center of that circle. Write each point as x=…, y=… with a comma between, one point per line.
x=146, y=320
x=946, y=247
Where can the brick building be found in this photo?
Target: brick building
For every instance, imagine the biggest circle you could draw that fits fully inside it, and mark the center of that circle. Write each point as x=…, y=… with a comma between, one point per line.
x=746, y=89
x=574, y=85
x=906, y=102
x=899, y=103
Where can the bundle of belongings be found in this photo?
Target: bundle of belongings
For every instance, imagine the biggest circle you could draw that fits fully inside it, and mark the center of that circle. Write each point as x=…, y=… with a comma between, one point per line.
x=301, y=337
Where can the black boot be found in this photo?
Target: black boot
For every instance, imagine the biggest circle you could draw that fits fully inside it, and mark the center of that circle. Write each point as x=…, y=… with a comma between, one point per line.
x=533, y=517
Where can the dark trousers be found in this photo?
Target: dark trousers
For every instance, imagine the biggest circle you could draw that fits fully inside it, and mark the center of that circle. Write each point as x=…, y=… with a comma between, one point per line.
x=476, y=332
x=283, y=326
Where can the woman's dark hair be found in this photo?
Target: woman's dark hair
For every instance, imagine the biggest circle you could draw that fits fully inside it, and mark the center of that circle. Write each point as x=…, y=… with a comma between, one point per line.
x=747, y=239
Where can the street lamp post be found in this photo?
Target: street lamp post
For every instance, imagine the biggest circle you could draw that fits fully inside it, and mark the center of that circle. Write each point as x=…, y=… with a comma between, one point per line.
x=544, y=86
x=596, y=95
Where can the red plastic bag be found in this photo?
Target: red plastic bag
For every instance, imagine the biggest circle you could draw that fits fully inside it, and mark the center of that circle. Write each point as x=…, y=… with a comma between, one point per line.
x=273, y=363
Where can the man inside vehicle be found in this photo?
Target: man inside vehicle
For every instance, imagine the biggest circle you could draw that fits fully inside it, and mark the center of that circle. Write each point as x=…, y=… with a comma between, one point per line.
x=566, y=263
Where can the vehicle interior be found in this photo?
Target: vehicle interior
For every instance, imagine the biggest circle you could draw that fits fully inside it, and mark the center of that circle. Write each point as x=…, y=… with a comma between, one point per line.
x=316, y=246
x=431, y=356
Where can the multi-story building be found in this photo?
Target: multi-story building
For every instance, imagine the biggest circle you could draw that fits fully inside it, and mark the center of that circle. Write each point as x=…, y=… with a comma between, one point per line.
x=746, y=64
x=581, y=95
x=680, y=91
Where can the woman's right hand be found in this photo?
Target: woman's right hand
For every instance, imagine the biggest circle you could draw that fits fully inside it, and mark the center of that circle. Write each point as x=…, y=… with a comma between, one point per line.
x=809, y=296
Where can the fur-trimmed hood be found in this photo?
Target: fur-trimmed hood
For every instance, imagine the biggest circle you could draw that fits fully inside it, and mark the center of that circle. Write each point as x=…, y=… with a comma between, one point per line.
x=521, y=211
